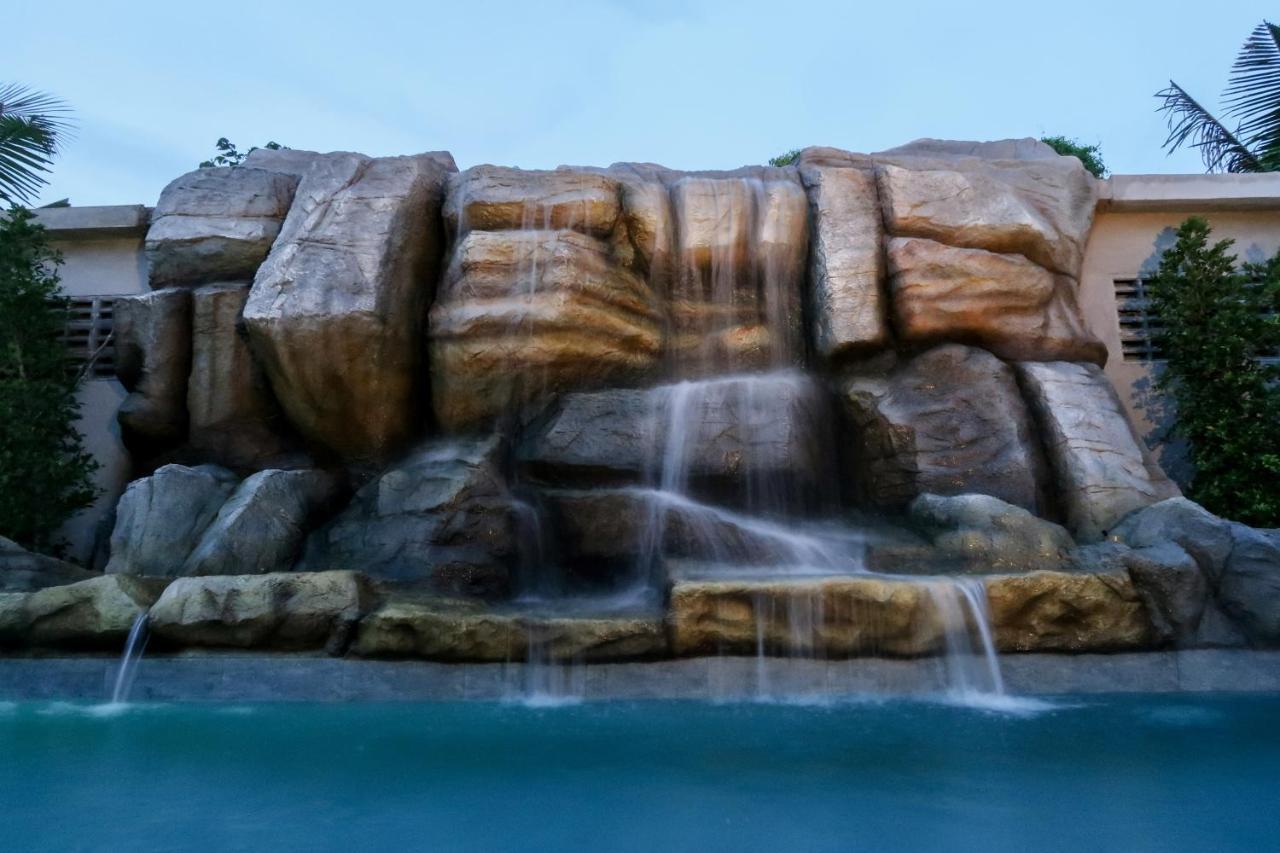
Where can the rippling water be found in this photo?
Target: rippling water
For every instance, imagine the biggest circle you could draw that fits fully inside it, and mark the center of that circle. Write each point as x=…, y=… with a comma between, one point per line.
x=1127, y=774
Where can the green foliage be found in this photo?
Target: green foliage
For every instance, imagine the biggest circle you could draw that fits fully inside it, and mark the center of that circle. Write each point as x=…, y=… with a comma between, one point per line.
x=1218, y=322
x=785, y=159
x=228, y=155
x=32, y=125
x=1089, y=155
x=45, y=473
x=1251, y=99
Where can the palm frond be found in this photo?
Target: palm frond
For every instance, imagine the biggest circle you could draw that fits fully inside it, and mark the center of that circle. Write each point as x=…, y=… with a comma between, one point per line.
x=32, y=128
x=1193, y=125
x=1252, y=96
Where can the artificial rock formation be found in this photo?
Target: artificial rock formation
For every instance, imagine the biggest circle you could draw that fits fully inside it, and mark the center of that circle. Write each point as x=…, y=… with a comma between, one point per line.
x=441, y=516
x=216, y=225
x=949, y=421
x=1101, y=468
x=336, y=310
x=23, y=571
x=91, y=614
x=153, y=360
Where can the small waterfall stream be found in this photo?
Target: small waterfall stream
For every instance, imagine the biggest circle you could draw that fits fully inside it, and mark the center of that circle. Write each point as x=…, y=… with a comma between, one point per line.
x=134, y=646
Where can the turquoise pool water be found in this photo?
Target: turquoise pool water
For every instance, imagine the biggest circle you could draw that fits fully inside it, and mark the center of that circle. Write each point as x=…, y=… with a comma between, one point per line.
x=1127, y=774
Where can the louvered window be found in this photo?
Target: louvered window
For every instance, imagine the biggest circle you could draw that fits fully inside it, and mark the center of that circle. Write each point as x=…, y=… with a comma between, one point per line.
x=88, y=335
x=1139, y=328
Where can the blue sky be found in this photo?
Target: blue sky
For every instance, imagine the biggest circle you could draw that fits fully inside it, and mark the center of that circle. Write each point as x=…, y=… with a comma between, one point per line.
x=539, y=83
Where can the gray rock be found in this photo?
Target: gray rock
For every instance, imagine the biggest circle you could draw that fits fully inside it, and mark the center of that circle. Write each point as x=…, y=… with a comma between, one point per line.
x=262, y=526
x=288, y=611
x=1249, y=587
x=1172, y=587
x=760, y=441
x=846, y=267
x=153, y=360
x=22, y=570
x=1102, y=470
x=285, y=161
x=91, y=614
x=1027, y=148
x=336, y=309
x=949, y=421
x=161, y=518
x=991, y=535
x=235, y=420
x=216, y=224
x=1197, y=531
x=440, y=516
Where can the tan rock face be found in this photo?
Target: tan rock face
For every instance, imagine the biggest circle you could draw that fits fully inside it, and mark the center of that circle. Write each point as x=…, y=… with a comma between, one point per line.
x=829, y=618
x=1102, y=470
x=337, y=308
x=950, y=421
x=1011, y=306
x=845, y=267
x=91, y=614
x=1041, y=209
x=286, y=611
x=524, y=314
x=153, y=361
x=1067, y=612
x=461, y=631
x=234, y=418
x=216, y=224
x=496, y=198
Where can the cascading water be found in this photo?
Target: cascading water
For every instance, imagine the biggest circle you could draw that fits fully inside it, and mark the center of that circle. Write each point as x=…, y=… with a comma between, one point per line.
x=129, y=660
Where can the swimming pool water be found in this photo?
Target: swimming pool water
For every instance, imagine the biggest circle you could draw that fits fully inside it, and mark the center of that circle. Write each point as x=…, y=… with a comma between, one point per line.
x=1131, y=773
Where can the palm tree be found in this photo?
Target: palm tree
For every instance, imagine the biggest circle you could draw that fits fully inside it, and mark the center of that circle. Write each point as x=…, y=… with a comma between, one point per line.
x=32, y=127
x=1251, y=99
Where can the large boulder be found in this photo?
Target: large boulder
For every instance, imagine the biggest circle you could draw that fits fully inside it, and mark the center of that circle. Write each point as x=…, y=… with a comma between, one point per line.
x=451, y=630
x=763, y=441
x=153, y=360
x=441, y=516
x=22, y=570
x=525, y=314
x=286, y=611
x=1102, y=470
x=262, y=526
x=216, y=224
x=949, y=421
x=1040, y=208
x=1173, y=589
x=846, y=261
x=161, y=518
x=1011, y=306
x=234, y=418
x=836, y=617
x=987, y=534
x=497, y=198
x=1190, y=526
x=1068, y=612
x=91, y=614
x=1249, y=586
x=337, y=308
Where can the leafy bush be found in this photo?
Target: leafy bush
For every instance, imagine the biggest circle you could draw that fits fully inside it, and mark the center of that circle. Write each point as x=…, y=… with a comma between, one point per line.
x=45, y=473
x=1219, y=321
x=1089, y=155
x=785, y=159
x=228, y=155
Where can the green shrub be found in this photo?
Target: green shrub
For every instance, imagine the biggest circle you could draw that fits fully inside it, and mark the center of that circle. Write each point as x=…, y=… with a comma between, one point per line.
x=1089, y=155
x=1219, y=321
x=45, y=473
x=785, y=159
x=228, y=155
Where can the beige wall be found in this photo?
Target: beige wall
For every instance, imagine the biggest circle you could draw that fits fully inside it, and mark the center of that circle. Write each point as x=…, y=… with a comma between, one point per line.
x=1125, y=243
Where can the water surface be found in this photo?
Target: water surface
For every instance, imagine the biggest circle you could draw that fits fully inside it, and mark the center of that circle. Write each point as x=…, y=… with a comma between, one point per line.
x=1116, y=773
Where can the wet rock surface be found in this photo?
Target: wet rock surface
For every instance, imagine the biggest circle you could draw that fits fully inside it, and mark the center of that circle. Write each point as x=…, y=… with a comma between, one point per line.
x=92, y=614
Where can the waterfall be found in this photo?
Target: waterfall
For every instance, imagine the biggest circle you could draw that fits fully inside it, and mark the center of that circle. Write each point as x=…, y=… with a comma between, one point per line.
x=129, y=660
